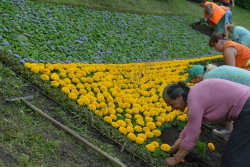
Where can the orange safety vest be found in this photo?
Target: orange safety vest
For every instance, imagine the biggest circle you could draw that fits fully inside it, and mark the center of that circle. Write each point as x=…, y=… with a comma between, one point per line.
x=218, y=12
x=225, y=1
x=243, y=54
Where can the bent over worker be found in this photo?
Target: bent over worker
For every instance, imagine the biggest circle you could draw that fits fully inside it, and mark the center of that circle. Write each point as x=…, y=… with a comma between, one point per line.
x=214, y=14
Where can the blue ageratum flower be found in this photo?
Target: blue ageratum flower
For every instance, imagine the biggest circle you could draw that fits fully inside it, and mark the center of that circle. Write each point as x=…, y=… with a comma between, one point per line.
x=16, y=55
x=68, y=61
x=22, y=61
x=5, y=29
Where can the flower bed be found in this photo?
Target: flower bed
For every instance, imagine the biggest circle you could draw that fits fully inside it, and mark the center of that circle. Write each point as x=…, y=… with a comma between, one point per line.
x=126, y=97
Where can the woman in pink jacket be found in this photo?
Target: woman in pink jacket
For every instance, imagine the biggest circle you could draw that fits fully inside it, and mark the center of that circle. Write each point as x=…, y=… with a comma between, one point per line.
x=212, y=100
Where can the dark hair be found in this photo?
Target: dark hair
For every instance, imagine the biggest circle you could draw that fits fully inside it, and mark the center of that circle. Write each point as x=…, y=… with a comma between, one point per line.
x=215, y=38
x=199, y=1
x=172, y=91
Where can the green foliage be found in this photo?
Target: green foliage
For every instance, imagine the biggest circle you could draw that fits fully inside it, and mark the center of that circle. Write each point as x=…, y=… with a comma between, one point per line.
x=201, y=147
x=243, y=3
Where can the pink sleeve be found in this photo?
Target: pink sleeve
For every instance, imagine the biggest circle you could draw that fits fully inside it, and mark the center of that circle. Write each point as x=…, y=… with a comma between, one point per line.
x=191, y=132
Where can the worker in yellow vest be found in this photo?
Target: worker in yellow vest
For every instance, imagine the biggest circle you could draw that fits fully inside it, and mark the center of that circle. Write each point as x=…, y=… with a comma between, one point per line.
x=214, y=14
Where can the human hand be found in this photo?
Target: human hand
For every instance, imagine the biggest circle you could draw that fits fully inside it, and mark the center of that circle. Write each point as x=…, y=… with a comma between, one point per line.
x=171, y=161
x=205, y=19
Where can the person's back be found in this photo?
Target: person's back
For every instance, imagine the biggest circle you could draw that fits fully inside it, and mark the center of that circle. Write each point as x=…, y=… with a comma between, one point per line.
x=242, y=35
x=230, y=73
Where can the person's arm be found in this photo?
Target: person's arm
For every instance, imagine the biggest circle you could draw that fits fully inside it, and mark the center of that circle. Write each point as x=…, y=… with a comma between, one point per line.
x=176, y=146
x=177, y=158
x=209, y=10
x=229, y=56
x=233, y=3
x=226, y=31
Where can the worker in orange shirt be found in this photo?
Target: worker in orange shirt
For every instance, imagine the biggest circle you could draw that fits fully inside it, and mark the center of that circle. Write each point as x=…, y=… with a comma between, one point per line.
x=226, y=3
x=214, y=14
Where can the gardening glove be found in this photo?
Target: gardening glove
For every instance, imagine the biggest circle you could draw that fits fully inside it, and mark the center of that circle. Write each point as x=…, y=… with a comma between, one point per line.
x=205, y=19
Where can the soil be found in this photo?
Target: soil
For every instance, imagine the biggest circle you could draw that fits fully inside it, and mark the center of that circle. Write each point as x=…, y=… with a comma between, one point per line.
x=211, y=158
x=203, y=29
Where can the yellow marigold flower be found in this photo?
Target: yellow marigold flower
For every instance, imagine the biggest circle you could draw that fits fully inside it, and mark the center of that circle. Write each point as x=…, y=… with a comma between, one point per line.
x=139, y=140
x=145, y=129
x=72, y=75
x=123, y=130
x=148, y=119
x=103, y=104
x=80, y=102
x=211, y=146
x=75, y=92
x=146, y=114
x=150, y=147
x=181, y=118
x=127, y=115
x=65, y=90
x=114, y=124
x=140, y=122
x=63, y=74
x=130, y=129
x=151, y=125
x=149, y=134
x=61, y=82
x=89, y=80
x=67, y=81
x=99, y=113
x=44, y=77
x=82, y=91
x=135, y=110
x=104, y=111
x=75, y=80
x=119, y=110
x=113, y=117
x=80, y=86
x=165, y=147
x=55, y=84
x=54, y=77
x=158, y=123
x=137, y=128
x=46, y=71
x=110, y=99
x=155, y=143
x=138, y=116
x=142, y=135
x=72, y=96
x=92, y=107
x=156, y=132
x=103, y=88
x=131, y=136
x=160, y=119
x=121, y=123
x=129, y=111
x=35, y=70
x=107, y=119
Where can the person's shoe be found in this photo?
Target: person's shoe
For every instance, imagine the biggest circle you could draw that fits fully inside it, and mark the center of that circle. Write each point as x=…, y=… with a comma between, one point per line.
x=222, y=133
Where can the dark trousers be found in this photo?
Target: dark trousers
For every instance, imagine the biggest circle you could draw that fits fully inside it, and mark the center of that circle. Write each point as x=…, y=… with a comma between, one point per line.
x=236, y=153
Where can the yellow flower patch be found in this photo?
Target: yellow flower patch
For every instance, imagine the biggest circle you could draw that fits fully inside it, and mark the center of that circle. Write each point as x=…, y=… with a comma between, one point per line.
x=126, y=96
